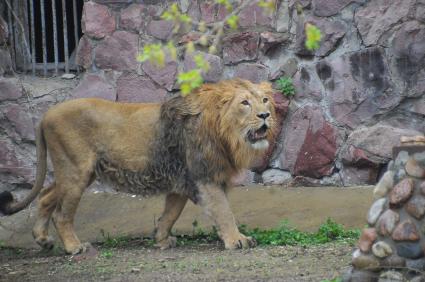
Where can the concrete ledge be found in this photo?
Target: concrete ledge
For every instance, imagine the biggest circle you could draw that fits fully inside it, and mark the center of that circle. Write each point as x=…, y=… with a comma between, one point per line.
x=258, y=206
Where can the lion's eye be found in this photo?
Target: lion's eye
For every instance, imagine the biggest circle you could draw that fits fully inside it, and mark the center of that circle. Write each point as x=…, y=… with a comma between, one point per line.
x=265, y=100
x=245, y=103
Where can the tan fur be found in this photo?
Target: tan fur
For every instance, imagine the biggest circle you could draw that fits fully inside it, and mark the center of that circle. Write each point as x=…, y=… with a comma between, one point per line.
x=76, y=131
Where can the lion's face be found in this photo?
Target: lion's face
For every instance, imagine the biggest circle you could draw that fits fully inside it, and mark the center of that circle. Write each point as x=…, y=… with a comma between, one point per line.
x=237, y=116
x=251, y=113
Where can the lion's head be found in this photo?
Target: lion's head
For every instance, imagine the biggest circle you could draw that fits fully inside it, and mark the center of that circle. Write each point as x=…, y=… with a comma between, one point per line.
x=237, y=119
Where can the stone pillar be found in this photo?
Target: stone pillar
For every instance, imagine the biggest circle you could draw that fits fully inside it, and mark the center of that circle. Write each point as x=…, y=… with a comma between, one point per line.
x=392, y=247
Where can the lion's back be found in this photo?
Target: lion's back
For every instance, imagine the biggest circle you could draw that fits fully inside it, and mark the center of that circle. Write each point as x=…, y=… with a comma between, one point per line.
x=124, y=131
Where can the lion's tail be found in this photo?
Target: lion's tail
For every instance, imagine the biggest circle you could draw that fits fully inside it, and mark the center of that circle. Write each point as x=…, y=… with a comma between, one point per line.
x=7, y=204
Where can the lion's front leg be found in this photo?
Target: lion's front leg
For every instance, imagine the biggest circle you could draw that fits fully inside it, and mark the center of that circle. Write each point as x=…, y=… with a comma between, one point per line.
x=214, y=202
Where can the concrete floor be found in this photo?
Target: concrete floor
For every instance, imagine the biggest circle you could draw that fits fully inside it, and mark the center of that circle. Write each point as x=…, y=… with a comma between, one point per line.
x=256, y=206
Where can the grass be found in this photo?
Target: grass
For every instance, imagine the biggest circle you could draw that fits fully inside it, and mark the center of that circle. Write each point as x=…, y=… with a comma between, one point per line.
x=109, y=241
x=199, y=236
x=284, y=234
x=338, y=279
x=107, y=254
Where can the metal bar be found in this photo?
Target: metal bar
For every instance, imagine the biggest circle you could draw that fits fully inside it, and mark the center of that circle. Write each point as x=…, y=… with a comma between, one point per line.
x=32, y=36
x=55, y=36
x=26, y=35
x=51, y=66
x=17, y=45
x=65, y=37
x=74, y=11
x=11, y=33
x=43, y=30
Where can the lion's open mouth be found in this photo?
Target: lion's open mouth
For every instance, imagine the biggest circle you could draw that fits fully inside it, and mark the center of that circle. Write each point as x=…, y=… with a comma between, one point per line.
x=257, y=135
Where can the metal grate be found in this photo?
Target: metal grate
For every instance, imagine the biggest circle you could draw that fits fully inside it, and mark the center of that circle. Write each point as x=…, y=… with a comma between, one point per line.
x=42, y=34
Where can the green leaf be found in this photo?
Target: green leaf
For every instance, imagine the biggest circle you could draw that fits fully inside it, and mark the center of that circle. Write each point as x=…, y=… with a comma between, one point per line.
x=268, y=5
x=167, y=16
x=185, y=89
x=202, y=27
x=212, y=49
x=174, y=14
x=203, y=40
x=189, y=81
x=185, y=18
x=142, y=57
x=159, y=58
x=226, y=4
x=313, y=37
x=174, y=8
x=232, y=21
x=190, y=47
x=172, y=50
x=201, y=63
x=152, y=53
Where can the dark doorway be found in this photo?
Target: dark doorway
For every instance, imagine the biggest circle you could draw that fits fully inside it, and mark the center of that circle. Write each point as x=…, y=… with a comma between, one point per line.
x=35, y=48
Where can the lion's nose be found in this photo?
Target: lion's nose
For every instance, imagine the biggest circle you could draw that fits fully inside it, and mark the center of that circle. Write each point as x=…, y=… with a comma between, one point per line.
x=263, y=115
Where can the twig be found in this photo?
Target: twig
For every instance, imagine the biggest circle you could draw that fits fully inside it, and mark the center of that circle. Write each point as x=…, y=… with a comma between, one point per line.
x=217, y=28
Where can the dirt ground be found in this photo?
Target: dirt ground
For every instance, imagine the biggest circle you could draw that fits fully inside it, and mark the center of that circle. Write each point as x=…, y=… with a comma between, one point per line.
x=138, y=261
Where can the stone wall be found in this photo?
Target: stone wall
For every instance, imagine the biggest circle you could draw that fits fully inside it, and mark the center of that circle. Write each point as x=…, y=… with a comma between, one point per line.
x=355, y=96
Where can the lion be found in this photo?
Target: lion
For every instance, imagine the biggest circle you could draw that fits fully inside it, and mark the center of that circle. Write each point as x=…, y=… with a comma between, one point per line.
x=188, y=147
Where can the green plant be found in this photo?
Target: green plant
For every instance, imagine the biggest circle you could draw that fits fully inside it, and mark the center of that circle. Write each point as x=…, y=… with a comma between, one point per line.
x=330, y=231
x=313, y=37
x=113, y=242
x=338, y=279
x=285, y=234
x=199, y=236
x=286, y=86
x=11, y=251
x=106, y=254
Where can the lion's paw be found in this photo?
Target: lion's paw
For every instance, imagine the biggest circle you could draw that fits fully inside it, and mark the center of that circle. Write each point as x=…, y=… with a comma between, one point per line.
x=80, y=249
x=47, y=242
x=241, y=242
x=89, y=253
x=167, y=243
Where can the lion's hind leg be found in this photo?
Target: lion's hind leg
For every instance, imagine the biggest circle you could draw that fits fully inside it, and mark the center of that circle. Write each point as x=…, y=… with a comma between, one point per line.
x=174, y=205
x=46, y=205
x=63, y=216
